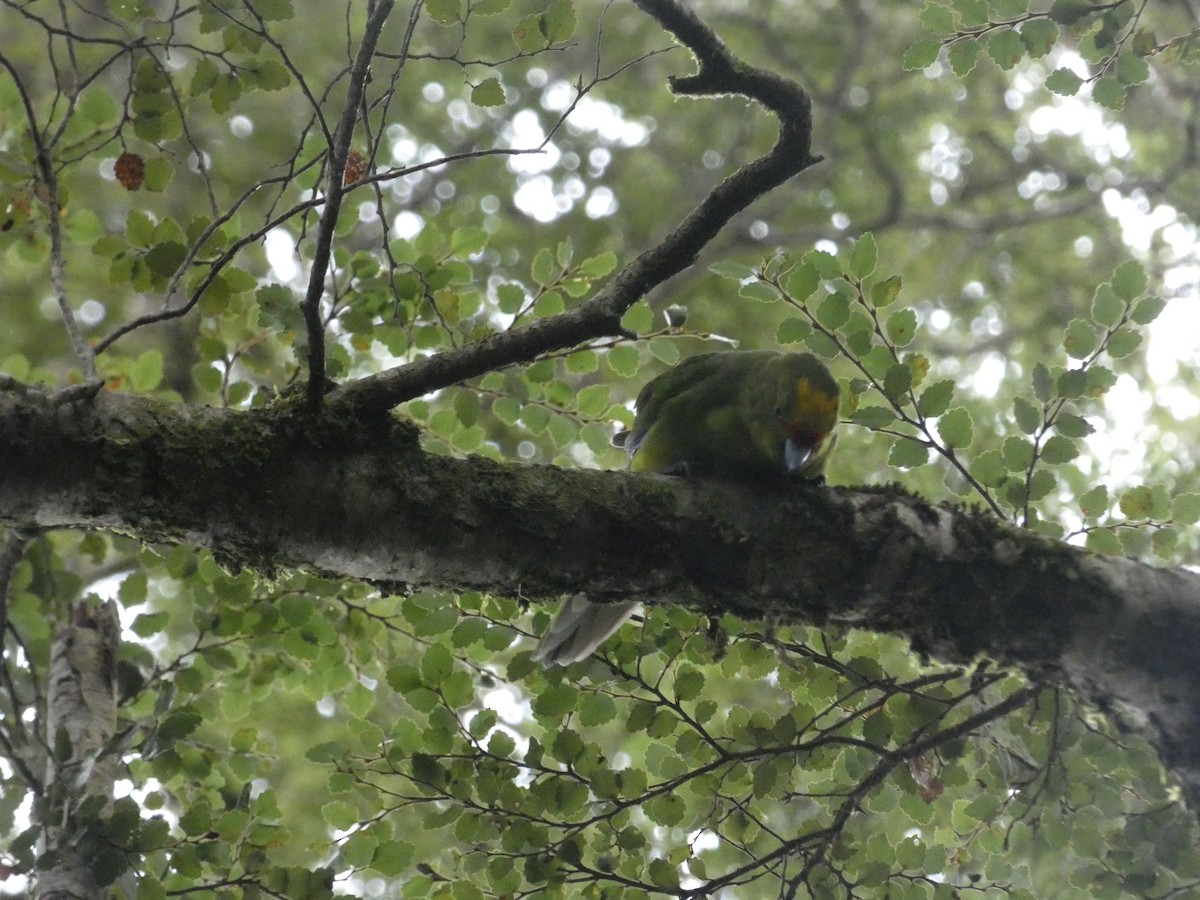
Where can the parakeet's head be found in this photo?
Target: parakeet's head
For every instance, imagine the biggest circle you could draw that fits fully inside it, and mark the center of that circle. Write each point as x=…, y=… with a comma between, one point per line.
x=806, y=406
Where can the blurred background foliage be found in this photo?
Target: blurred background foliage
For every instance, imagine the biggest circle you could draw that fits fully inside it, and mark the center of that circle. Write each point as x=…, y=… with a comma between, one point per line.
x=290, y=736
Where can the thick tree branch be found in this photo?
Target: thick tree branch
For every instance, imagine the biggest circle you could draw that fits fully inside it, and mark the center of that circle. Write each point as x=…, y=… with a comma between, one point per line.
x=361, y=500
x=719, y=73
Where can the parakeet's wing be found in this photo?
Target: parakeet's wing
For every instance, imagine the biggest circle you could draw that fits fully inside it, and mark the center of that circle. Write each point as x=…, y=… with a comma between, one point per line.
x=682, y=401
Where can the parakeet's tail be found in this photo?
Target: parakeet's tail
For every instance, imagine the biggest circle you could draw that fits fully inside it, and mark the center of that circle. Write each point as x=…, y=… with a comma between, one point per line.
x=579, y=628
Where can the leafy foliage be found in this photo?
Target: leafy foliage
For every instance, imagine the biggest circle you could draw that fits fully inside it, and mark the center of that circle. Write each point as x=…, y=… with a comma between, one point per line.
x=166, y=179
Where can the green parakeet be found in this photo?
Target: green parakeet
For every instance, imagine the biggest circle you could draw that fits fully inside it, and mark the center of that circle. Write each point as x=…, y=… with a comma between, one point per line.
x=739, y=414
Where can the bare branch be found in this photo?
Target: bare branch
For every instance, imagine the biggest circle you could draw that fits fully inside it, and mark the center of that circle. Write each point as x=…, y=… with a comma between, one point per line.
x=334, y=191
x=719, y=73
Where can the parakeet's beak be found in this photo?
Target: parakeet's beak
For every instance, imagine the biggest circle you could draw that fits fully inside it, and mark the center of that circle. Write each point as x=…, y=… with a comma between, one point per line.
x=795, y=455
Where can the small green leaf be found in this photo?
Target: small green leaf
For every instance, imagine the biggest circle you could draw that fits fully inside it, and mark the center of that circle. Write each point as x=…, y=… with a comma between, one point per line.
x=664, y=350
x=873, y=416
x=1059, y=450
x=802, y=281
x=564, y=253
x=864, y=257
x=555, y=701
x=1109, y=92
x=971, y=13
x=919, y=365
x=340, y=814
x=598, y=266
x=1029, y=417
x=543, y=271
x=178, y=725
x=963, y=54
x=921, y=54
x=1147, y=310
x=528, y=34
x=638, y=318
x=558, y=22
x=956, y=428
x=1132, y=69
x=1068, y=12
x=822, y=345
x=1080, y=339
x=1123, y=342
x=267, y=75
x=164, y=259
x=834, y=311
x=1099, y=380
x=1185, y=509
x=1043, y=385
x=758, y=290
x=597, y=709
x=792, y=331
x=901, y=327
x=1164, y=540
x=1073, y=426
x=159, y=172
x=1041, y=483
x=146, y=372
x=1103, y=540
x=884, y=293
x=501, y=744
x=1072, y=383
x=139, y=229
x=1136, y=502
x=550, y=303
x=465, y=241
x=937, y=17
x=623, y=360
x=506, y=409
x=689, y=684
x=445, y=12
x=989, y=468
x=735, y=271
x=1064, y=81
x=1094, y=503
x=1006, y=48
x=1018, y=454
x=148, y=624
x=1129, y=280
x=1107, y=307
x=826, y=264
x=592, y=400
x=908, y=454
x=662, y=873
x=859, y=338
x=897, y=381
x=1039, y=36
x=935, y=399
x=274, y=10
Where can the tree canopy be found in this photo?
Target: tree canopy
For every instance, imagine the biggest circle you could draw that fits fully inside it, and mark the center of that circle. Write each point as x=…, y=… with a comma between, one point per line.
x=320, y=320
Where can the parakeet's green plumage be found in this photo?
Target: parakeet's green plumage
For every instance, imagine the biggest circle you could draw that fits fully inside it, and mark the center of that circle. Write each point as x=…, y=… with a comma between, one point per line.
x=737, y=414
x=748, y=413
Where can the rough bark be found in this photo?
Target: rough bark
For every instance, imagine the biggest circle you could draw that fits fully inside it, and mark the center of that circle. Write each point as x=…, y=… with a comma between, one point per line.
x=81, y=712
x=359, y=499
